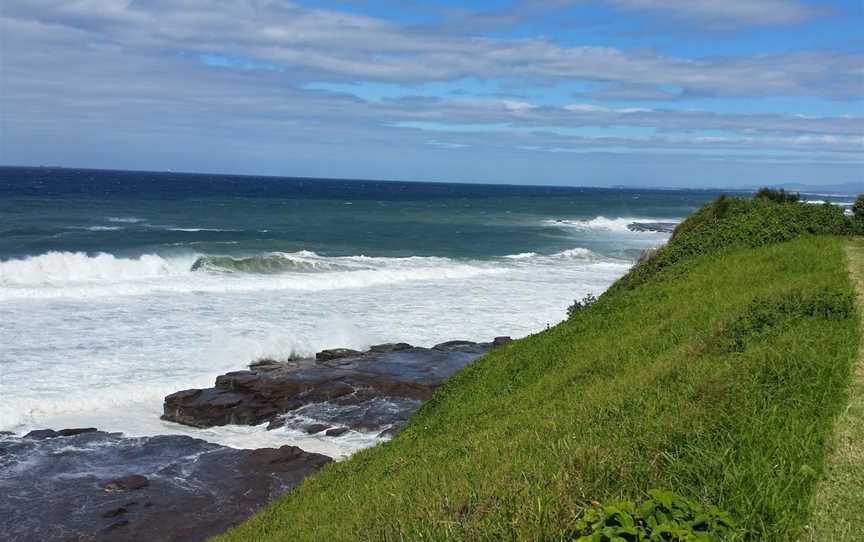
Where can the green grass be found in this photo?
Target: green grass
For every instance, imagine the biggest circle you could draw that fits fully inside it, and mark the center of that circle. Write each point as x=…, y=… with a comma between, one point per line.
x=838, y=507
x=713, y=372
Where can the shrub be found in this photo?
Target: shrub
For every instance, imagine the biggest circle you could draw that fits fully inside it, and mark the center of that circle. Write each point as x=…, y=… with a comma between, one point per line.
x=777, y=195
x=578, y=305
x=665, y=516
x=858, y=214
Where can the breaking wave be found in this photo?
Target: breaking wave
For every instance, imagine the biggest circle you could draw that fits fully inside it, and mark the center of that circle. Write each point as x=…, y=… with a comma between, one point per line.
x=276, y=262
x=80, y=275
x=62, y=268
x=617, y=225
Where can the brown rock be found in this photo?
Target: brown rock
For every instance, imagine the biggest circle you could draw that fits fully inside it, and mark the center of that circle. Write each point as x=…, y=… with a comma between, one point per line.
x=501, y=341
x=336, y=353
x=316, y=428
x=336, y=431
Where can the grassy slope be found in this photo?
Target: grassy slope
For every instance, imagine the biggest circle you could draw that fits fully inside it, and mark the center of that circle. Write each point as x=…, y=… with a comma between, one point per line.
x=679, y=381
x=838, y=506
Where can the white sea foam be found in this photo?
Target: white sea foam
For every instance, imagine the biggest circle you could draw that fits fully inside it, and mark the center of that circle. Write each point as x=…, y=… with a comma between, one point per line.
x=125, y=219
x=171, y=228
x=575, y=253
x=125, y=332
x=822, y=201
x=68, y=275
x=97, y=228
x=66, y=268
x=617, y=225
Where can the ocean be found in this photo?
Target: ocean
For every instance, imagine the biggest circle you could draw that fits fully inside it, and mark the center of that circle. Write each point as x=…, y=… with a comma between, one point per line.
x=118, y=288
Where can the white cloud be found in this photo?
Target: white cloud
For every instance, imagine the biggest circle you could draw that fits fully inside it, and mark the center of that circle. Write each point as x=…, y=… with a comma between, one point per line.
x=748, y=12
x=132, y=71
x=335, y=46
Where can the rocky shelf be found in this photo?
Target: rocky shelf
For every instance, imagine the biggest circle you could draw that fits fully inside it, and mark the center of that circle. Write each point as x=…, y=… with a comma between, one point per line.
x=88, y=485
x=338, y=391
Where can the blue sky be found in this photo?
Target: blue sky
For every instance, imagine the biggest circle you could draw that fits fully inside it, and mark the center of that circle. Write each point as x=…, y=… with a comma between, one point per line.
x=576, y=92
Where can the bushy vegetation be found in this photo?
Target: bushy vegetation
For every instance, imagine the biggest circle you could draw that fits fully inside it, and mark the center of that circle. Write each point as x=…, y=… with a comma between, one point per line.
x=579, y=305
x=728, y=223
x=714, y=370
x=858, y=214
x=777, y=195
x=663, y=517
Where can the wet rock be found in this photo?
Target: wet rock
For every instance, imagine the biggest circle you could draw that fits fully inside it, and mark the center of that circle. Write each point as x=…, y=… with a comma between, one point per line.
x=127, y=483
x=390, y=347
x=343, y=387
x=276, y=423
x=656, y=227
x=216, y=406
x=116, y=525
x=316, y=428
x=451, y=346
x=114, y=512
x=195, y=489
x=501, y=341
x=40, y=434
x=336, y=353
x=266, y=364
x=337, y=431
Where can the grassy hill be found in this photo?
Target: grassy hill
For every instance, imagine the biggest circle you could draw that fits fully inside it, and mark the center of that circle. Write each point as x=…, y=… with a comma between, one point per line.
x=715, y=369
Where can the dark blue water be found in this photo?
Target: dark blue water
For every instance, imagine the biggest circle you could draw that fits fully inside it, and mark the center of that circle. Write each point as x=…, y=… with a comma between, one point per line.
x=129, y=213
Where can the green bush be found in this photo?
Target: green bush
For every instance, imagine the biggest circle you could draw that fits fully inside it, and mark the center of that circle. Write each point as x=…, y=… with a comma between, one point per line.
x=858, y=214
x=578, y=305
x=665, y=516
x=858, y=207
x=777, y=195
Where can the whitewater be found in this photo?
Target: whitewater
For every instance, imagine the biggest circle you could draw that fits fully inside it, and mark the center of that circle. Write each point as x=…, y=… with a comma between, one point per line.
x=132, y=330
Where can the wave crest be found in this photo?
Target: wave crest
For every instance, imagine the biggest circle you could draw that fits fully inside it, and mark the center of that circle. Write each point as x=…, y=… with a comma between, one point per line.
x=277, y=262
x=60, y=268
x=617, y=225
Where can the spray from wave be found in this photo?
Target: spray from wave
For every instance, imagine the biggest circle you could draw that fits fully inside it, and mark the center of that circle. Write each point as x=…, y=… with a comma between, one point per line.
x=601, y=223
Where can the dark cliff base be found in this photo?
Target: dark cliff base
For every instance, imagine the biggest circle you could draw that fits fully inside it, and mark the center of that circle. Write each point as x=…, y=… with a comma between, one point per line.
x=89, y=485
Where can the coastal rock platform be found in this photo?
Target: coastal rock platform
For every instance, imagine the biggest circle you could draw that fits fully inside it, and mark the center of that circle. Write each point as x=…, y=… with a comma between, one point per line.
x=95, y=486
x=339, y=390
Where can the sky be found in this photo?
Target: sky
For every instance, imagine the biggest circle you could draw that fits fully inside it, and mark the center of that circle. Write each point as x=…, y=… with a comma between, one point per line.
x=696, y=93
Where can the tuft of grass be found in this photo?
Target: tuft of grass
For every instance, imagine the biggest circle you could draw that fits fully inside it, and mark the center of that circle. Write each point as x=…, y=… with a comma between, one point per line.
x=838, y=506
x=715, y=375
